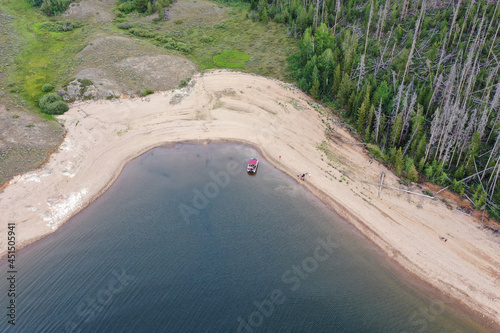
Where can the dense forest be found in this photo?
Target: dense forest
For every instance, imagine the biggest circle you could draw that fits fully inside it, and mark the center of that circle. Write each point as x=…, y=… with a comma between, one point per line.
x=417, y=80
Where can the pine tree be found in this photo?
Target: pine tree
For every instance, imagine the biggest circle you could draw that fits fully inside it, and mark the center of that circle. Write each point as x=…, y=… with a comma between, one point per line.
x=429, y=173
x=345, y=89
x=420, y=150
x=396, y=129
x=362, y=112
x=306, y=46
x=412, y=174
x=399, y=162
x=369, y=121
x=337, y=79
x=479, y=197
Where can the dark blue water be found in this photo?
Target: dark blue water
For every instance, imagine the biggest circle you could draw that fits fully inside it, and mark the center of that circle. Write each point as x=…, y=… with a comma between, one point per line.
x=186, y=241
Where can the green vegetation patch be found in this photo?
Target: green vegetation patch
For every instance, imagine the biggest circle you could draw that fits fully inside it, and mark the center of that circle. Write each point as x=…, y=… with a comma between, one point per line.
x=44, y=55
x=52, y=103
x=59, y=26
x=209, y=30
x=231, y=59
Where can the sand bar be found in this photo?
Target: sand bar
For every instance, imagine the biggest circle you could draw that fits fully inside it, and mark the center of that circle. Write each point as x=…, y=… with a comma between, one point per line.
x=279, y=119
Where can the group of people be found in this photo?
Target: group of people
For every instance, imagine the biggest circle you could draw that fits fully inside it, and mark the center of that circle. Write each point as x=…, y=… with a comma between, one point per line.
x=302, y=176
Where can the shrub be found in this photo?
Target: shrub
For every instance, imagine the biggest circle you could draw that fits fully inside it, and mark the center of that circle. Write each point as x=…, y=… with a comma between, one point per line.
x=35, y=3
x=221, y=25
x=47, y=87
x=52, y=103
x=178, y=21
x=206, y=39
x=142, y=33
x=183, y=47
x=184, y=82
x=58, y=107
x=126, y=8
x=54, y=7
x=164, y=39
x=60, y=26
x=125, y=25
x=170, y=44
x=376, y=152
x=146, y=92
x=85, y=82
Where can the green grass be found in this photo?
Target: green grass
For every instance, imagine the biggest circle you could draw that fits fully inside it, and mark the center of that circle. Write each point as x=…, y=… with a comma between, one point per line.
x=214, y=39
x=231, y=59
x=266, y=47
x=44, y=56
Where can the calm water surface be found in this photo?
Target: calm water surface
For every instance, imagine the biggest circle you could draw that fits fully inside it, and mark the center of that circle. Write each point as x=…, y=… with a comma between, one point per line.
x=186, y=241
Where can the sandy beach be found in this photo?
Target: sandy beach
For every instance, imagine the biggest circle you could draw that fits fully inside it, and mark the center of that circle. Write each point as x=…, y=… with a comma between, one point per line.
x=434, y=242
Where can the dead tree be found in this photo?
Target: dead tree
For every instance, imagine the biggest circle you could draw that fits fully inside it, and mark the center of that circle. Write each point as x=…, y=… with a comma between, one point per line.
x=415, y=36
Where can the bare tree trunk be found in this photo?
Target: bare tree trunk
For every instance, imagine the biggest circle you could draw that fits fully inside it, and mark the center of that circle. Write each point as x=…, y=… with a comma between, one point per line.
x=436, y=123
x=384, y=16
x=415, y=36
x=403, y=9
x=495, y=179
x=455, y=13
x=368, y=26
x=466, y=17
x=493, y=152
x=316, y=15
x=493, y=44
x=378, y=115
x=337, y=10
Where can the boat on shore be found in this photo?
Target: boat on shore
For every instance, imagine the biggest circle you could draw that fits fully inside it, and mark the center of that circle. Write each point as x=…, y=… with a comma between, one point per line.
x=253, y=164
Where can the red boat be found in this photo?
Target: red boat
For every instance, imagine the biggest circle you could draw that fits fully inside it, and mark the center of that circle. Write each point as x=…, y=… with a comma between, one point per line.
x=253, y=163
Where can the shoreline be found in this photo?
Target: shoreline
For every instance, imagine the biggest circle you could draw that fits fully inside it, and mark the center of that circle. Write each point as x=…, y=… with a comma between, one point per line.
x=214, y=111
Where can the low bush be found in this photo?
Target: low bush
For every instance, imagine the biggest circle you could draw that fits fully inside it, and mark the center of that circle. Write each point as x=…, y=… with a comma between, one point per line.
x=126, y=8
x=60, y=26
x=206, y=39
x=47, y=87
x=179, y=46
x=142, y=33
x=183, y=47
x=221, y=25
x=125, y=25
x=184, y=82
x=376, y=152
x=146, y=92
x=51, y=7
x=52, y=103
x=86, y=82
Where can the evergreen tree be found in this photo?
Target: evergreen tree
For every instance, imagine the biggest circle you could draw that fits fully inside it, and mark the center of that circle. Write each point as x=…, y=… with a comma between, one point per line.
x=337, y=78
x=345, y=89
x=306, y=46
x=362, y=112
x=141, y=5
x=399, y=162
x=396, y=129
x=412, y=174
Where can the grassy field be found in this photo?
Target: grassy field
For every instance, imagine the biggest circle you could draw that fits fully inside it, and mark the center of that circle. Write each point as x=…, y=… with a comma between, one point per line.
x=210, y=34
x=44, y=56
x=231, y=59
x=211, y=29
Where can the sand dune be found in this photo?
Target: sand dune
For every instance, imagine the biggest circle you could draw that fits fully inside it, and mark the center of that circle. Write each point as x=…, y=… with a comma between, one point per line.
x=279, y=119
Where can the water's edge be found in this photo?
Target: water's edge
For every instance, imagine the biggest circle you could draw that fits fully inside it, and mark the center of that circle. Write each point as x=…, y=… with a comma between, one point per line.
x=318, y=194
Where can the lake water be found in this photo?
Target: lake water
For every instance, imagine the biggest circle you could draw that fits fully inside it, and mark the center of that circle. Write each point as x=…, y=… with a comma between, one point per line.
x=186, y=241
